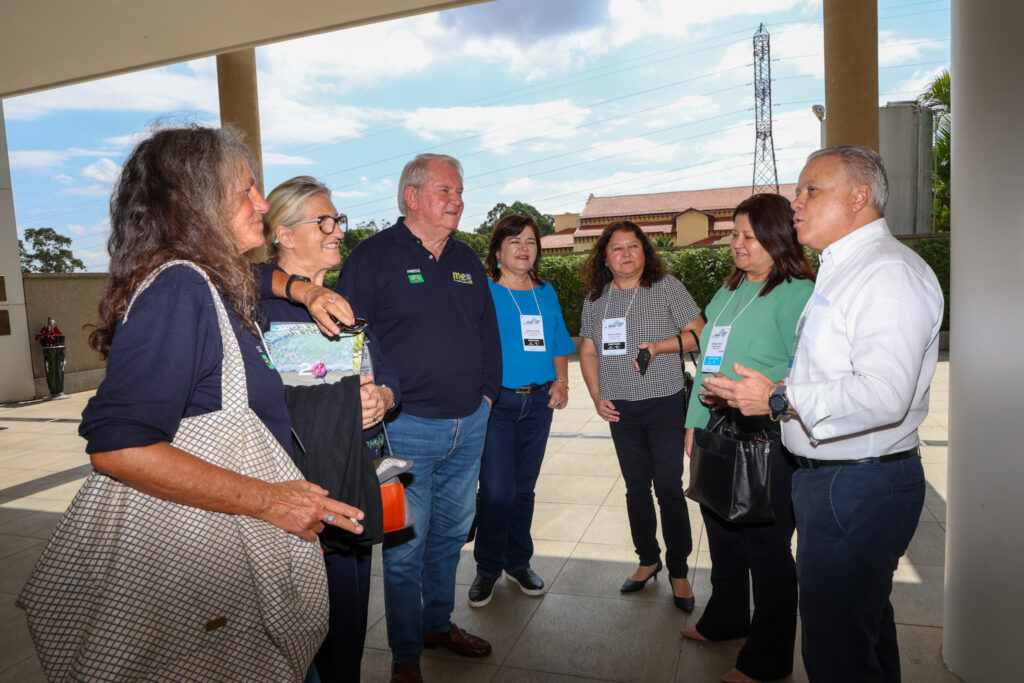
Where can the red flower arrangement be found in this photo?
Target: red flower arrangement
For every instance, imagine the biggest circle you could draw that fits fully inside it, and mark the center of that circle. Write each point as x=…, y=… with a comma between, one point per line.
x=50, y=335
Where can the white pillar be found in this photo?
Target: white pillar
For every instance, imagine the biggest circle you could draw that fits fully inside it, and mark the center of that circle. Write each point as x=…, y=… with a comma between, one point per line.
x=984, y=592
x=15, y=348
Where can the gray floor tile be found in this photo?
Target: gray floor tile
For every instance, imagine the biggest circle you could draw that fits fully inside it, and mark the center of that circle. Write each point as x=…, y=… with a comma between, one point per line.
x=587, y=637
x=928, y=547
x=584, y=489
x=561, y=521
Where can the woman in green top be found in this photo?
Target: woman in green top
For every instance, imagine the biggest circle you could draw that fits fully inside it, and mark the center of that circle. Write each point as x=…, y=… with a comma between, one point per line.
x=756, y=314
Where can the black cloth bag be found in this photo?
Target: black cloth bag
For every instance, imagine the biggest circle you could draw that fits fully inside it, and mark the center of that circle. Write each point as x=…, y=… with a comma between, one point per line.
x=329, y=449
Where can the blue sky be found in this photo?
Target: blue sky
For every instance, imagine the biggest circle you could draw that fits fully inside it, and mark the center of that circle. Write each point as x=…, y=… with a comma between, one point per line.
x=543, y=102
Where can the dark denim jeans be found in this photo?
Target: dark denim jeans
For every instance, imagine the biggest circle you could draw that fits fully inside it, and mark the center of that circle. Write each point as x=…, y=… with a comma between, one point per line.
x=517, y=434
x=419, y=563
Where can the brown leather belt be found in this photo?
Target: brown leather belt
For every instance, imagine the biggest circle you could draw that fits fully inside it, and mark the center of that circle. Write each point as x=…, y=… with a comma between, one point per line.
x=811, y=464
x=529, y=388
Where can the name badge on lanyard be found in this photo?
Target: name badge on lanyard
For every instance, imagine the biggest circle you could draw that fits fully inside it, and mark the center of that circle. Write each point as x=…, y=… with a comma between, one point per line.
x=533, y=332
x=720, y=336
x=613, y=337
x=716, y=349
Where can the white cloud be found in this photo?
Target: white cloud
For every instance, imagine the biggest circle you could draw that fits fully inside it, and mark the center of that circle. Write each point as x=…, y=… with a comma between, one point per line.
x=36, y=158
x=103, y=171
x=634, y=149
x=276, y=158
x=75, y=229
x=911, y=87
x=154, y=90
x=500, y=127
x=64, y=179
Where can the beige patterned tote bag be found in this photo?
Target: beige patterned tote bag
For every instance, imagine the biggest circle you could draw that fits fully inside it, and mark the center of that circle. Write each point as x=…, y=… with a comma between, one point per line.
x=131, y=587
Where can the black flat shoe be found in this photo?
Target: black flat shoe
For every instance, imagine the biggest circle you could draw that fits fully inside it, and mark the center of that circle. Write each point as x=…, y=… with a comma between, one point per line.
x=631, y=586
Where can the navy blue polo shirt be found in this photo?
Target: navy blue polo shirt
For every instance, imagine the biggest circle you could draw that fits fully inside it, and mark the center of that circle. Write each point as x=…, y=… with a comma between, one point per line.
x=434, y=318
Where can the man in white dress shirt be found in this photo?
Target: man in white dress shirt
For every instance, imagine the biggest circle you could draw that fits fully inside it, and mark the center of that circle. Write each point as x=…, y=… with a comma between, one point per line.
x=856, y=392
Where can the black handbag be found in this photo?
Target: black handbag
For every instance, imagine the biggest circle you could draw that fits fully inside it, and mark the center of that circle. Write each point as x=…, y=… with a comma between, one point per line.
x=730, y=472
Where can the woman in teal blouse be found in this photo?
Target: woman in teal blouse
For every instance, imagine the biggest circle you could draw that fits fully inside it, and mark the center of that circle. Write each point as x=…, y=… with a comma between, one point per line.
x=756, y=312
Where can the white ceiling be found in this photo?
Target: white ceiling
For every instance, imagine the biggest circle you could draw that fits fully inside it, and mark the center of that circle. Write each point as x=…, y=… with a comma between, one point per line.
x=49, y=43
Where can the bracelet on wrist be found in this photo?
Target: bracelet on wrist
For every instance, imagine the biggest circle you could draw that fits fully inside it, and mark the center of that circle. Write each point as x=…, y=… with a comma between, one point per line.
x=292, y=279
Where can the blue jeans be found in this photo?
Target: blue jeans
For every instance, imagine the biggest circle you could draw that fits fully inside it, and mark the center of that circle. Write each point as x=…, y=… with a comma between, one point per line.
x=853, y=524
x=517, y=435
x=420, y=563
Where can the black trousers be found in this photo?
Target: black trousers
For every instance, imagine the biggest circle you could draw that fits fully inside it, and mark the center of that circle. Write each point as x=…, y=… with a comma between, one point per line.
x=649, y=444
x=348, y=584
x=762, y=552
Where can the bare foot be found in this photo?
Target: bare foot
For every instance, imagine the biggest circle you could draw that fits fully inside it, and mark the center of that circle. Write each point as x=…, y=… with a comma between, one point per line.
x=644, y=572
x=693, y=634
x=736, y=676
x=681, y=588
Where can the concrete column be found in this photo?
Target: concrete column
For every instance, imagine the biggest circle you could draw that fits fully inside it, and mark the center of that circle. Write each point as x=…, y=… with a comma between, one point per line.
x=239, y=100
x=984, y=594
x=851, y=72
x=15, y=346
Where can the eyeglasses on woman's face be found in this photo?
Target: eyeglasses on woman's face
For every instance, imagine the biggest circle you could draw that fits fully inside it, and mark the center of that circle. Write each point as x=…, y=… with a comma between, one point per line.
x=326, y=223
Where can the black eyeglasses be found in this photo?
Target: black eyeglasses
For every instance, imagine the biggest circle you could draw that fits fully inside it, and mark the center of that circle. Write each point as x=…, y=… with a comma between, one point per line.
x=327, y=223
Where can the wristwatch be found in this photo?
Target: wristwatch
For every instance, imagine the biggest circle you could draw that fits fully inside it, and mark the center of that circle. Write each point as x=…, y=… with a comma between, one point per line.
x=778, y=404
x=288, y=287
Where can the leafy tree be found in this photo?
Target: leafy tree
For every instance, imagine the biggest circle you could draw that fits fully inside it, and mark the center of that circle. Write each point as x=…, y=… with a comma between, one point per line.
x=662, y=242
x=936, y=97
x=544, y=221
x=354, y=236
x=50, y=252
x=477, y=242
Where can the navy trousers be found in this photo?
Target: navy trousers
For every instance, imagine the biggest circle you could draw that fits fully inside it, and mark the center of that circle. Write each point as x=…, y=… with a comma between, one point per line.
x=517, y=435
x=762, y=552
x=853, y=523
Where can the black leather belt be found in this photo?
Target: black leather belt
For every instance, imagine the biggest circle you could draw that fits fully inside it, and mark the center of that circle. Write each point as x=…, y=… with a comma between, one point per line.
x=529, y=388
x=810, y=463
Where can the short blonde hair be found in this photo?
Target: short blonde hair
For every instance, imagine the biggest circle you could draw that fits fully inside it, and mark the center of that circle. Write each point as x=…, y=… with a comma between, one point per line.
x=286, y=202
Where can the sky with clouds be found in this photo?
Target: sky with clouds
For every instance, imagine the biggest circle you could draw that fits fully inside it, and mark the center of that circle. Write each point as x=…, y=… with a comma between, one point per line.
x=543, y=102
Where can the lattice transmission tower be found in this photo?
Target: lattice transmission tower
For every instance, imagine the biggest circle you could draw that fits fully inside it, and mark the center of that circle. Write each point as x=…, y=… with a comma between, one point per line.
x=766, y=178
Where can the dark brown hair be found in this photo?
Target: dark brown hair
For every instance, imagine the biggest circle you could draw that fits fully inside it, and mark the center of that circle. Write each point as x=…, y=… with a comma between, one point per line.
x=510, y=226
x=174, y=200
x=771, y=218
x=595, y=272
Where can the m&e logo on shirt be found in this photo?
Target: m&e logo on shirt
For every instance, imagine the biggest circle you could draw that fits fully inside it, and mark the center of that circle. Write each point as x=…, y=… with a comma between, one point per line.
x=415, y=277
x=464, y=278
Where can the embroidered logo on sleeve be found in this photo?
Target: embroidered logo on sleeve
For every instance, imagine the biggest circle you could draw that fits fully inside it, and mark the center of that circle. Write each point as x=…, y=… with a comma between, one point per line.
x=464, y=278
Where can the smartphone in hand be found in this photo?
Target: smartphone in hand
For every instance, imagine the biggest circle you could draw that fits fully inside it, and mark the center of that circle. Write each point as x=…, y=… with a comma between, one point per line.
x=643, y=359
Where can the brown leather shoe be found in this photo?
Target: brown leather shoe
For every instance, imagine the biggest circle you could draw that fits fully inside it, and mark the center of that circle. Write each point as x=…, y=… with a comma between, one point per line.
x=458, y=641
x=406, y=672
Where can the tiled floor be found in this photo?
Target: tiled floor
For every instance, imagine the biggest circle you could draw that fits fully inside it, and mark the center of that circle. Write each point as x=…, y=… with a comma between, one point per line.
x=581, y=629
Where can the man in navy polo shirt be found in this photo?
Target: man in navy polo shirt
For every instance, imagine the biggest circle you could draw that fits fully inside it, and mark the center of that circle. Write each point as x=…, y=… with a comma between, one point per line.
x=426, y=296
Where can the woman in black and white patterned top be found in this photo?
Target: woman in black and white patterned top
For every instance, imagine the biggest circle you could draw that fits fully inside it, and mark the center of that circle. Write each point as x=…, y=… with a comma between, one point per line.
x=632, y=304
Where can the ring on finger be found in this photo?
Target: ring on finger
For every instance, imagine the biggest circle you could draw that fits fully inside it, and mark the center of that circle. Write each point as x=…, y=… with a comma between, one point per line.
x=333, y=298
x=330, y=518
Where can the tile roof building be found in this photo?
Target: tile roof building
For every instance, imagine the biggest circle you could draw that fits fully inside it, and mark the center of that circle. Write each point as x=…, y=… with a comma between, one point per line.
x=687, y=218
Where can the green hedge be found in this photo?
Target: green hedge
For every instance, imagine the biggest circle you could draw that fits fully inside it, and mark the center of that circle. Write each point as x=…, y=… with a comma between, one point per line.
x=703, y=269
